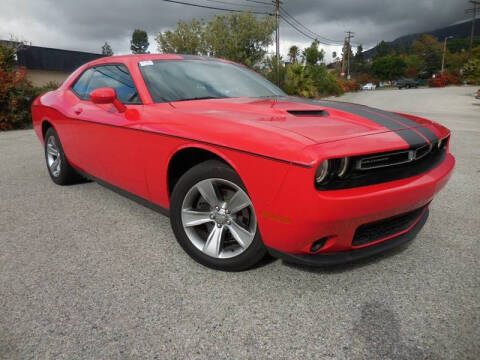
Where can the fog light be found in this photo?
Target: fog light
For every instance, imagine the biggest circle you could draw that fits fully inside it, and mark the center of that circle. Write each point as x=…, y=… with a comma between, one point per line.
x=317, y=245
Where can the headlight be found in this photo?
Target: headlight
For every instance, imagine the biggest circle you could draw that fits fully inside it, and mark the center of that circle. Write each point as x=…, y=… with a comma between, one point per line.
x=332, y=169
x=343, y=167
x=322, y=174
x=440, y=143
x=443, y=142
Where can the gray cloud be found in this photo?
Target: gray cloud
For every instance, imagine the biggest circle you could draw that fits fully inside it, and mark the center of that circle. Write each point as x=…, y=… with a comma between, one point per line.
x=87, y=24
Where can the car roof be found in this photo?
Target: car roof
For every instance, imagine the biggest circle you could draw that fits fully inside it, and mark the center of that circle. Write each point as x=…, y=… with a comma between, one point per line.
x=135, y=58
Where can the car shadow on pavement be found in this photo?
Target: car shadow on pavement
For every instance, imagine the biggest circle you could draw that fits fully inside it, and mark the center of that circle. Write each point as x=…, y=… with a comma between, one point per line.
x=350, y=266
x=377, y=333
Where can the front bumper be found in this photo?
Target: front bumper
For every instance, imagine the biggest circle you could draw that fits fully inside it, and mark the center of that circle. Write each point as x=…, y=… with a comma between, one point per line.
x=298, y=217
x=325, y=259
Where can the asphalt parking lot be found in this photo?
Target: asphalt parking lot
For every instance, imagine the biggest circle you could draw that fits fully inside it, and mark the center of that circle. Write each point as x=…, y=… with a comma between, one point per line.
x=86, y=273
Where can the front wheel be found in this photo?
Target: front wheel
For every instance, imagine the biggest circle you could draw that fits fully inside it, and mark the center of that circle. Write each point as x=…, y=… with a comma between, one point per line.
x=213, y=218
x=61, y=172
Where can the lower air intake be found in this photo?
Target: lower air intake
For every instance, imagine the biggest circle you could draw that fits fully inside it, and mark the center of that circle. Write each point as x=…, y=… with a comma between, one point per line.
x=378, y=230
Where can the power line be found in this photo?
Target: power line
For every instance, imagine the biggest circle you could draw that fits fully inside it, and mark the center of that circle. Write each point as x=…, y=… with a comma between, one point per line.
x=317, y=36
x=259, y=2
x=245, y=5
x=296, y=28
x=213, y=7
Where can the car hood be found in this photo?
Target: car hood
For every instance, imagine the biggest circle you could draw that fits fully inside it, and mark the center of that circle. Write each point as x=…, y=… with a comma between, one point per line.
x=319, y=121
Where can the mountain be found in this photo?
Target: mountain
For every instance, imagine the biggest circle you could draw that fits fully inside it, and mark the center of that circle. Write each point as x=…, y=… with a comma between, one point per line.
x=460, y=30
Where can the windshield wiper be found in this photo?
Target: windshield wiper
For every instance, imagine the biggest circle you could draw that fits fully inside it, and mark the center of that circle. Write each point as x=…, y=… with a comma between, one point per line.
x=203, y=98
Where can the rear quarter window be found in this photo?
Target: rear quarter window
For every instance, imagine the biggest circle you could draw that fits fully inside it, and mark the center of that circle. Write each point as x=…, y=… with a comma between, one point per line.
x=80, y=86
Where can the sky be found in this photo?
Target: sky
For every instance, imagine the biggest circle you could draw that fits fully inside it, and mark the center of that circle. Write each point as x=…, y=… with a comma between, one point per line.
x=86, y=24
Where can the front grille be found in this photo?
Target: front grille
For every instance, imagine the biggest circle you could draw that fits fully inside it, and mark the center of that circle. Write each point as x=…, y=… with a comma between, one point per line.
x=386, y=167
x=378, y=230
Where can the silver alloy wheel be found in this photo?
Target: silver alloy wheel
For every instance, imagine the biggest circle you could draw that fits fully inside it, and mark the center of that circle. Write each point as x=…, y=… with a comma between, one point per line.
x=53, y=156
x=218, y=218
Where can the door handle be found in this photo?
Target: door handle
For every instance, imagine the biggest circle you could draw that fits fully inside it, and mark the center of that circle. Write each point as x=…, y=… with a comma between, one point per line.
x=78, y=111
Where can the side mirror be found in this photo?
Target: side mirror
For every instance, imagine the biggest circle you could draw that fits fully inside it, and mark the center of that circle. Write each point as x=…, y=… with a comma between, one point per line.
x=107, y=96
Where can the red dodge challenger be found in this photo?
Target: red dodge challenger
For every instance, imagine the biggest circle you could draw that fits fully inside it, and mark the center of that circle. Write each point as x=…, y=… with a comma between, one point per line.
x=241, y=168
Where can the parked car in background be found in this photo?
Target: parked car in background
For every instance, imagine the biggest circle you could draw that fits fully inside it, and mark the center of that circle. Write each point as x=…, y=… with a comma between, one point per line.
x=240, y=167
x=407, y=83
x=369, y=86
x=478, y=94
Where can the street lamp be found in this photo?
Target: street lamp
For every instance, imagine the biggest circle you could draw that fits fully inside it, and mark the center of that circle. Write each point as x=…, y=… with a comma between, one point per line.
x=444, y=51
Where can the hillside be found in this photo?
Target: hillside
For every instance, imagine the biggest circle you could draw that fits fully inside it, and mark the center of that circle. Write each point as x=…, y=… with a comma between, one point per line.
x=461, y=30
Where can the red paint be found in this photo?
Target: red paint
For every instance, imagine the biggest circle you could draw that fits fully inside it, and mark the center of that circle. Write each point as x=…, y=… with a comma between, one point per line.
x=275, y=154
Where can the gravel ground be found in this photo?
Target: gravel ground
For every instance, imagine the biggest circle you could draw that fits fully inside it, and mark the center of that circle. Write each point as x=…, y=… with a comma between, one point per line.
x=86, y=273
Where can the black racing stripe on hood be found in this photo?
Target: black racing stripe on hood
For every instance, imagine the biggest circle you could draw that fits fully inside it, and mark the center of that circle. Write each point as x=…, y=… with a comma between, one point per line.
x=412, y=138
x=418, y=127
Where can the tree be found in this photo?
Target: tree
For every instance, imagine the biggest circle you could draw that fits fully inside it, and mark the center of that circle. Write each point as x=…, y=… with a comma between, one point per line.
x=430, y=51
x=382, y=49
x=270, y=68
x=312, y=55
x=299, y=82
x=324, y=81
x=389, y=67
x=471, y=71
x=107, y=49
x=139, y=43
x=476, y=52
x=293, y=54
x=359, y=60
x=187, y=38
x=240, y=37
x=455, y=61
x=414, y=63
x=456, y=45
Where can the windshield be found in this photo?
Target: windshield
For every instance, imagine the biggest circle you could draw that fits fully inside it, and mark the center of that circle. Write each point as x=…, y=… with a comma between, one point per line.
x=179, y=80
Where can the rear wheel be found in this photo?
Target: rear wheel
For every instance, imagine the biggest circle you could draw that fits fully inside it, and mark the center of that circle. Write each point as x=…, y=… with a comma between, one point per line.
x=213, y=218
x=58, y=167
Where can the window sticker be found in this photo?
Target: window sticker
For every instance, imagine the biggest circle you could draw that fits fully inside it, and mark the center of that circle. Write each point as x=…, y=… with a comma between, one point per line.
x=146, y=63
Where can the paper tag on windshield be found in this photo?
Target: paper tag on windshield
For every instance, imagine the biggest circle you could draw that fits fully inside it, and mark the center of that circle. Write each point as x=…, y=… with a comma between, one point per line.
x=146, y=63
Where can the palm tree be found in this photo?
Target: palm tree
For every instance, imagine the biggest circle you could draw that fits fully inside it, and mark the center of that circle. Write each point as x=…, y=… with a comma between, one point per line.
x=293, y=54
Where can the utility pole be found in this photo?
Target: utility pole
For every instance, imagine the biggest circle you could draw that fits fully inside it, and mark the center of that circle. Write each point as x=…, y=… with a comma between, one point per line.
x=474, y=10
x=344, y=55
x=444, y=51
x=277, y=38
x=349, y=50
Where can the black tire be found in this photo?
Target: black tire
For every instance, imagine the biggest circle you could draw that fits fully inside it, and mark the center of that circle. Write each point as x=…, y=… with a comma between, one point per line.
x=67, y=174
x=211, y=169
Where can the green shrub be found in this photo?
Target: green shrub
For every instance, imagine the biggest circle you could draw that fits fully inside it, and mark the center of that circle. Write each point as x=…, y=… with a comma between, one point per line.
x=325, y=82
x=298, y=81
x=471, y=71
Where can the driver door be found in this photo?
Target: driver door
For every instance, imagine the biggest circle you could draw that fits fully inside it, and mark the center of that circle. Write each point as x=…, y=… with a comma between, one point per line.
x=111, y=143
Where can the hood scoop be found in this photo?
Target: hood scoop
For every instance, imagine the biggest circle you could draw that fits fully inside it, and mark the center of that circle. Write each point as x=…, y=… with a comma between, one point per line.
x=309, y=113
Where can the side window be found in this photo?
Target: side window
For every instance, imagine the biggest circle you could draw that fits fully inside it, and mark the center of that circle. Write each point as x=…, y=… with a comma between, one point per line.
x=80, y=86
x=116, y=77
